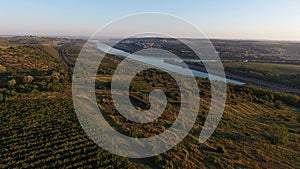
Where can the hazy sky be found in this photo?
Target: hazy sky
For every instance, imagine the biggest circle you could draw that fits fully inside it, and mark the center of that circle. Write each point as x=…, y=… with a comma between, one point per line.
x=243, y=19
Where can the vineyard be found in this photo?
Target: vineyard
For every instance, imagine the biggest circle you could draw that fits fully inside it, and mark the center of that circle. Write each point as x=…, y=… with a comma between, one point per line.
x=46, y=134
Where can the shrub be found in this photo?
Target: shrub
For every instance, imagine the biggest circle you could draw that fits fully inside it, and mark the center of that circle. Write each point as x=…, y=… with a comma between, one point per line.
x=28, y=79
x=12, y=83
x=278, y=134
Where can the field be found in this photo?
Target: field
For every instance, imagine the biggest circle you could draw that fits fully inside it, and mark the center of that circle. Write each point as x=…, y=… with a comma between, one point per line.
x=45, y=133
x=39, y=127
x=286, y=74
x=286, y=69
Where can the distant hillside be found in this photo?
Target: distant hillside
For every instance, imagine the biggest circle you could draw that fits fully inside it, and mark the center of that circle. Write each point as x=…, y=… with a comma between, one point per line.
x=234, y=50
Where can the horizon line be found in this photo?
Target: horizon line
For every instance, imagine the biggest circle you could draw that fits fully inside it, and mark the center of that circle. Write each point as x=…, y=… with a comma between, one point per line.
x=114, y=37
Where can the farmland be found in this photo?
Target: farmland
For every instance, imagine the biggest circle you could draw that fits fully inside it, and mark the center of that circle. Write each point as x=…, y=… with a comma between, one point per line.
x=39, y=127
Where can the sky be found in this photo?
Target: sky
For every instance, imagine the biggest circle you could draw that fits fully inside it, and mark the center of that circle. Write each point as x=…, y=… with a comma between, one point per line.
x=230, y=19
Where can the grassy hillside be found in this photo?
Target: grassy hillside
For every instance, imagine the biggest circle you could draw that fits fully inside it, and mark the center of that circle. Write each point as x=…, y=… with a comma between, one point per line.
x=24, y=58
x=46, y=133
x=39, y=128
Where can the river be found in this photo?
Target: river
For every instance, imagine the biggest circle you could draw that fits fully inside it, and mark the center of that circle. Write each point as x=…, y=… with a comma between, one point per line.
x=159, y=63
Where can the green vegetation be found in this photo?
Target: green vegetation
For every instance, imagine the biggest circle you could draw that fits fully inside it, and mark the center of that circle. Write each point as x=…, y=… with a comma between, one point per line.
x=45, y=133
x=221, y=149
x=259, y=95
x=278, y=134
x=39, y=127
x=278, y=73
x=24, y=58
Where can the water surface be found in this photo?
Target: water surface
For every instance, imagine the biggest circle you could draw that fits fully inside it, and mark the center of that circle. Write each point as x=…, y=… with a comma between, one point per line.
x=159, y=63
